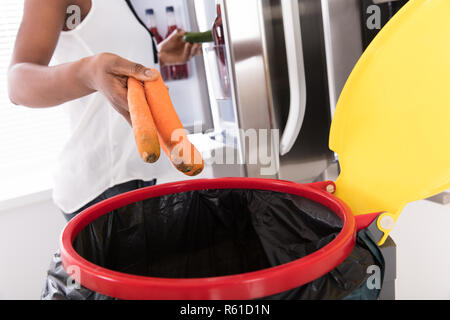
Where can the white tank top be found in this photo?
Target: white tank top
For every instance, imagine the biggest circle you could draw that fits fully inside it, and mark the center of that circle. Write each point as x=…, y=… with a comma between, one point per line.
x=101, y=151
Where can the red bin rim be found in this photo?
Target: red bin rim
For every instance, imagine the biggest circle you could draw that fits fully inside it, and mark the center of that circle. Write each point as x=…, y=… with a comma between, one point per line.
x=251, y=285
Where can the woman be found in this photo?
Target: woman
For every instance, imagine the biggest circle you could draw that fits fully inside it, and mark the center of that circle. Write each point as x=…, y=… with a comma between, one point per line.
x=94, y=61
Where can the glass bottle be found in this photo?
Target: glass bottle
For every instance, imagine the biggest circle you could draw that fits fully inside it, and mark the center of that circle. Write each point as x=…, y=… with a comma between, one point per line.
x=177, y=72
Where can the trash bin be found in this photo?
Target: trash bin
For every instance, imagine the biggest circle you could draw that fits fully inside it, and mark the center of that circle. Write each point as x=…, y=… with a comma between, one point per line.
x=234, y=238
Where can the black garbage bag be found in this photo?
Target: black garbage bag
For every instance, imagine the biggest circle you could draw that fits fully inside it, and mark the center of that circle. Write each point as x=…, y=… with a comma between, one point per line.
x=212, y=233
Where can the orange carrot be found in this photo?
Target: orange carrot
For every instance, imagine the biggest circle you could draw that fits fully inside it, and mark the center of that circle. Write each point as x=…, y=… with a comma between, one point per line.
x=174, y=141
x=144, y=129
x=184, y=156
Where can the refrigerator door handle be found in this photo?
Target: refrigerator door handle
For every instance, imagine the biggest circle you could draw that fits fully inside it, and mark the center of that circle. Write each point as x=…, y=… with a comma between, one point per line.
x=296, y=70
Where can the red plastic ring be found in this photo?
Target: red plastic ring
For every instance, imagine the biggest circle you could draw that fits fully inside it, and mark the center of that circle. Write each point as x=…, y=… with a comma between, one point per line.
x=251, y=285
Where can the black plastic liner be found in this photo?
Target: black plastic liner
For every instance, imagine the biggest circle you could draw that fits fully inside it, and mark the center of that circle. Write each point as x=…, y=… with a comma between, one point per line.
x=212, y=233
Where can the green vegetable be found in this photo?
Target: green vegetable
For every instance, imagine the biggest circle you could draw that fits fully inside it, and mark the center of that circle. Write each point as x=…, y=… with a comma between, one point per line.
x=198, y=37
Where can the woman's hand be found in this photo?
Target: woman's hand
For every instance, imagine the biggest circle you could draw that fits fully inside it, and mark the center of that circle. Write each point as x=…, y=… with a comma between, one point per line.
x=109, y=74
x=174, y=50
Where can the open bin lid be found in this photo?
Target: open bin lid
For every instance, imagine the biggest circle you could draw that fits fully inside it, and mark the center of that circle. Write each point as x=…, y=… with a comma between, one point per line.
x=391, y=128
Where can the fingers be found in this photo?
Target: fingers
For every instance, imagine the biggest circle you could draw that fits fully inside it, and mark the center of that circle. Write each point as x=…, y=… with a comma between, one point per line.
x=124, y=113
x=177, y=35
x=127, y=117
x=187, y=51
x=117, y=96
x=180, y=32
x=128, y=68
x=196, y=50
x=191, y=50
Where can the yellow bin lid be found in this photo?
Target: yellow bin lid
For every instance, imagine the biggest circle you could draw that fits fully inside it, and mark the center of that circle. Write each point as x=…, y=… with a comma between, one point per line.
x=391, y=128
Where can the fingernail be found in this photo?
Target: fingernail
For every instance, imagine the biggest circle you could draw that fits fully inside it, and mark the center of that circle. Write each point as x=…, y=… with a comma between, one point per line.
x=149, y=73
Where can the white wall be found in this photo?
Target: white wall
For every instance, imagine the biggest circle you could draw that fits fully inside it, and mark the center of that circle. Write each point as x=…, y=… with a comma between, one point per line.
x=422, y=235
x=29, y=236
